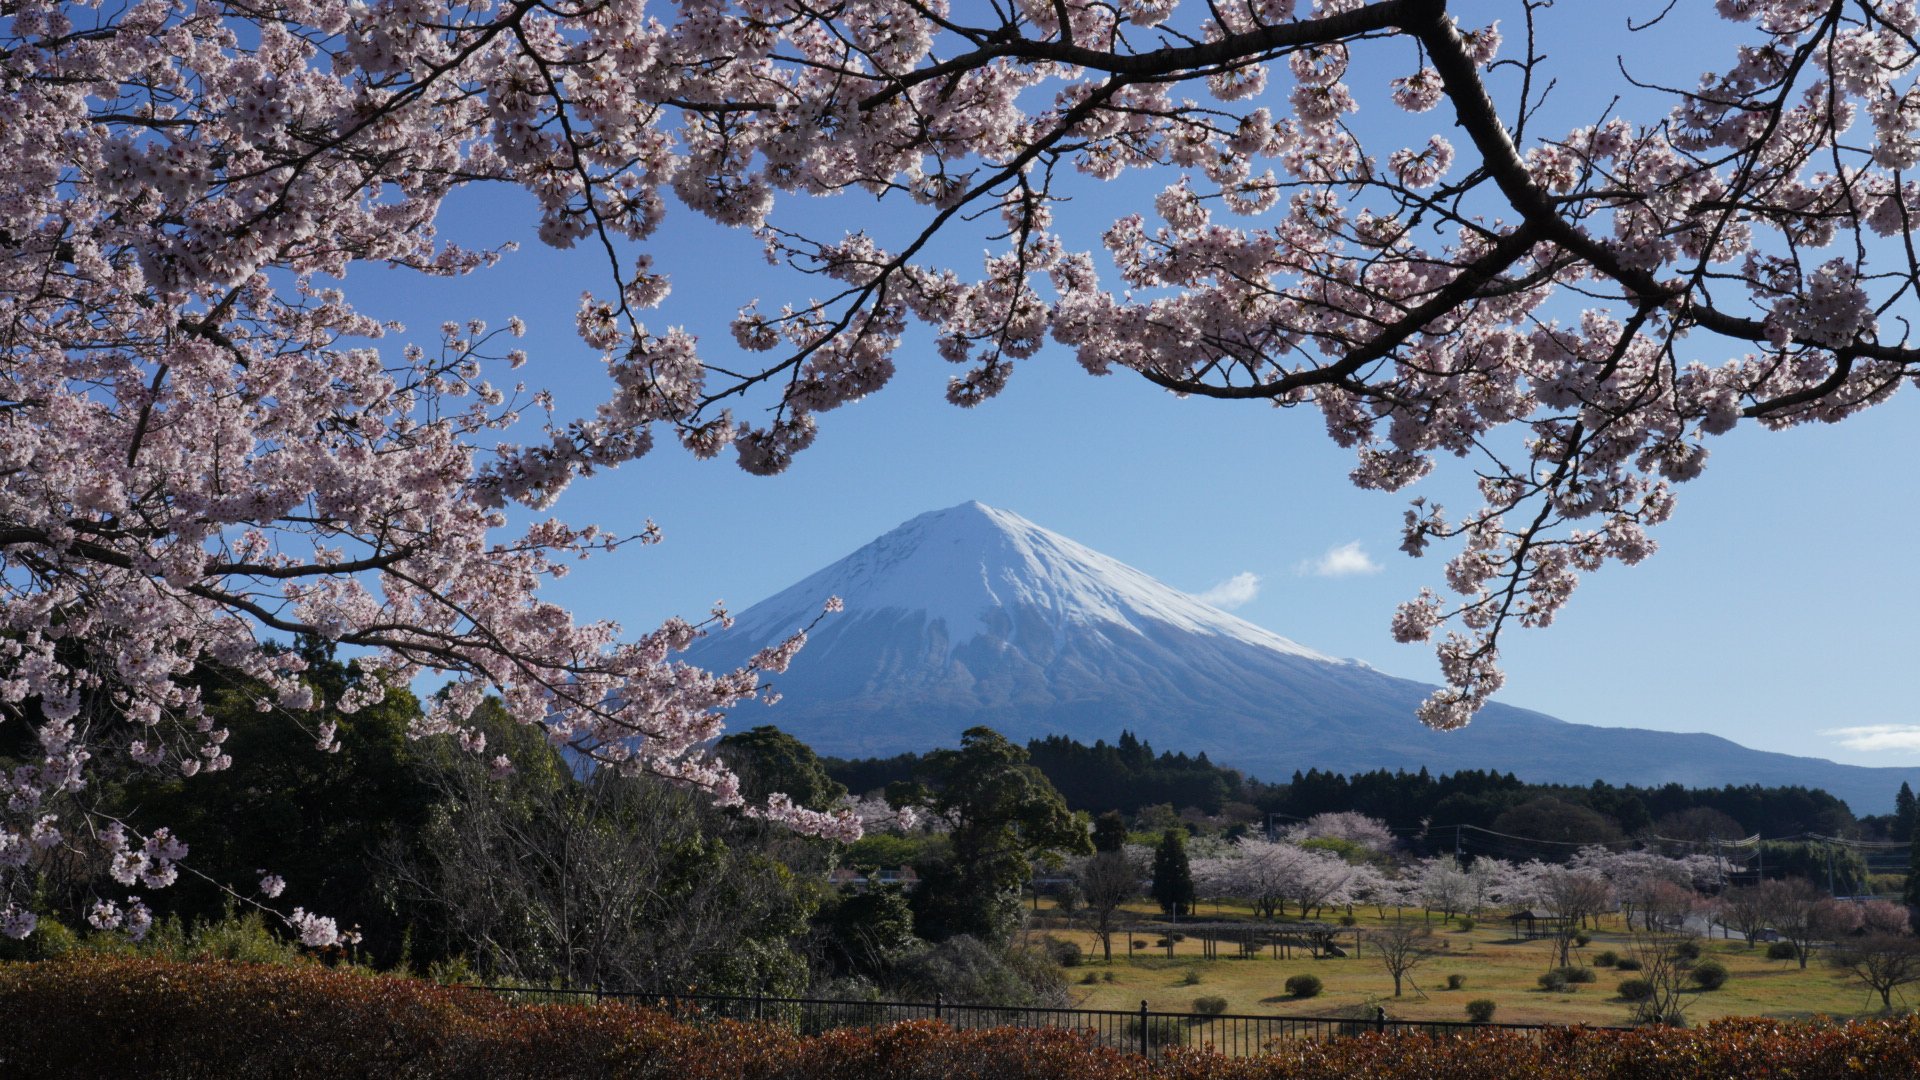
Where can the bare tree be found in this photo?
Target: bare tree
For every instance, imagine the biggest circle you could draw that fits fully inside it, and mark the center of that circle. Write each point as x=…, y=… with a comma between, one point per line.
x=1107, y=880
x=1402, y=946
x=1805, y=916
x=1746, y=908
x=1883, y=962
x=1664, y=974
x=1572, y=897
x=608, y=881
x=1668, y=906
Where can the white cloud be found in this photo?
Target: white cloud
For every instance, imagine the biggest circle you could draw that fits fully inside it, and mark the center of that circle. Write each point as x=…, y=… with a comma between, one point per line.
x=1239, y=589
x=1343, y=560
x=1872, y=737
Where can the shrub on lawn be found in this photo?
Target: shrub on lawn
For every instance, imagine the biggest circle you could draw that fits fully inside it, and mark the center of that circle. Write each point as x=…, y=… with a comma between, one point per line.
x=1578, y=974
x=1163, y=1032
x=1781, y=950
x=1605, y=958
x=1209, y=1005
x=1627, y=963
x=1063, y=952
x=1191, y=978
x=1555, y=981
x=1689, y=949
x=1709, y=974
x=1635, y=989
x=1304, y=986
x=1480, y=1010
x=1456, y=980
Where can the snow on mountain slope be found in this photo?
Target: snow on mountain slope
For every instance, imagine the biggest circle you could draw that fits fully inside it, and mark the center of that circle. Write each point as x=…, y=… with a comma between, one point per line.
x=963, y=567
x=974, y=615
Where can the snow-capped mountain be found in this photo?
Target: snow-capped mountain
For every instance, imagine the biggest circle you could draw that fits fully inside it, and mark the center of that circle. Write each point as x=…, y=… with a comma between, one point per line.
x=975, y=615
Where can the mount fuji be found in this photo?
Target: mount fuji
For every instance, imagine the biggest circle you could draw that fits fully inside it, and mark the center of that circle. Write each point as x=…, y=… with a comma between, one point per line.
x=975, y=615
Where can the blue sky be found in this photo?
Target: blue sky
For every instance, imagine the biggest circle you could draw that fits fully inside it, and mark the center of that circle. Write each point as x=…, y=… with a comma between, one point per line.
x=1778, y=611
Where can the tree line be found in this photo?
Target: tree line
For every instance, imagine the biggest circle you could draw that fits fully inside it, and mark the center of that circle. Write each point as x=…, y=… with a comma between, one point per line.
x=1129, y=777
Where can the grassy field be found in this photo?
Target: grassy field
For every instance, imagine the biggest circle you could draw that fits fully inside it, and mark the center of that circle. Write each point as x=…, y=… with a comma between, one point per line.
x=1491, y=963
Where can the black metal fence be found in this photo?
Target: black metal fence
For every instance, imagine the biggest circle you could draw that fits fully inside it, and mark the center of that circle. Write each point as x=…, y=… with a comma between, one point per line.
x=1141, y=1030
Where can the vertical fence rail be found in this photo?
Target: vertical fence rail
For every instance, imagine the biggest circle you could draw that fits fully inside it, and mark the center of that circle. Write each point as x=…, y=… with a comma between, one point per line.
x=1140, y=1031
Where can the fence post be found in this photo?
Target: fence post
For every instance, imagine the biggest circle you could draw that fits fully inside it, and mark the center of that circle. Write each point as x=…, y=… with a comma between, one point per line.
x=1143, y=1029
x=936, y=1004
x=1379, y=1018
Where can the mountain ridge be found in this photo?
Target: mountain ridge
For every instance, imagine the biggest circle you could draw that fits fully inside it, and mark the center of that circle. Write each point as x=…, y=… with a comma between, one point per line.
x=975, y=615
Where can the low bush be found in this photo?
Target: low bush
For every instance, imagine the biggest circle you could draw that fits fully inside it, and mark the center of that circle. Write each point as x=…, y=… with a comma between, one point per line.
x=120, y=1016
x=1781, y=950
x=1466, y=922
x=1063, y=952
x=1582, y=939
x=1456, y=980
x=1209, y=1005
x=1579, y=974
x=1690, y=949
x=1480, y=1010
x=1304, y=986
x=1709, y=974
x=1163, y=1032
x=1191, y=978
x=1090, y=978
x=1635, y=989
x=1555, y=981
x=1627, y=963
x=1605, y=958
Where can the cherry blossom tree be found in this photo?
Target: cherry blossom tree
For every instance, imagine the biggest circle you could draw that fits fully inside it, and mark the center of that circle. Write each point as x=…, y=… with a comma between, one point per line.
x=207, y=447
x=1444, y=887
x=1643, y=880
x=1347, y=825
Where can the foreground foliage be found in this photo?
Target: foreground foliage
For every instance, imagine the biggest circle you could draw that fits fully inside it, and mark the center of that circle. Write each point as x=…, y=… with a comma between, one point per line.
x=155, y=1018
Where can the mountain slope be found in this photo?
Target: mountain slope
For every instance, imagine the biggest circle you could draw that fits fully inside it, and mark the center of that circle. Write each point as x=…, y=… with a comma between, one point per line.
x=974, y=615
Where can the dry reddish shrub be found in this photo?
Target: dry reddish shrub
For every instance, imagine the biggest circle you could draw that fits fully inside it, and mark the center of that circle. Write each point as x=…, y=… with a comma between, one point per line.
x=120, y=1016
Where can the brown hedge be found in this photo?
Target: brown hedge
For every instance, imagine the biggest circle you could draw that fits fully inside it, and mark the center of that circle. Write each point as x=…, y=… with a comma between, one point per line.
x=97, y=1016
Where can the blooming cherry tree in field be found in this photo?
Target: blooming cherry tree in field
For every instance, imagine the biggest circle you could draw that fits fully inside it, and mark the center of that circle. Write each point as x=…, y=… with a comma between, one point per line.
x=205, y=445
x=1347, y=825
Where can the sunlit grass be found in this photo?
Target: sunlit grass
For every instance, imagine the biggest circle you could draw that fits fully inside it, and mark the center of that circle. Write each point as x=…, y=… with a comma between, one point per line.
x=1490, y=962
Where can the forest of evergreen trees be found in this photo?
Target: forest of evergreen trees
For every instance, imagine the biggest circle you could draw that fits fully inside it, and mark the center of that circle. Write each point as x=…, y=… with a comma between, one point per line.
x=1130, y=777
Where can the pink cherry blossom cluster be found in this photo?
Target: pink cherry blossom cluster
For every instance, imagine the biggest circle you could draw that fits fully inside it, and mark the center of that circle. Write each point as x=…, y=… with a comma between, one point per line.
x=204, y=445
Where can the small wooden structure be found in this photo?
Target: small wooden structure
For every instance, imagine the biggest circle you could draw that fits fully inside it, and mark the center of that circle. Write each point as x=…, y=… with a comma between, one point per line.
x=1533, y=925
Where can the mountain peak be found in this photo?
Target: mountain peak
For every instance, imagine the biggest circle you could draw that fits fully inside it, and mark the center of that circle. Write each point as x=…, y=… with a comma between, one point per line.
x=974, y=615
x=975, y=570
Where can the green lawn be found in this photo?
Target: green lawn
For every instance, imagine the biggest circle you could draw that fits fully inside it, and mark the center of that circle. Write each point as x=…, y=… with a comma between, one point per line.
x=1491, y=963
